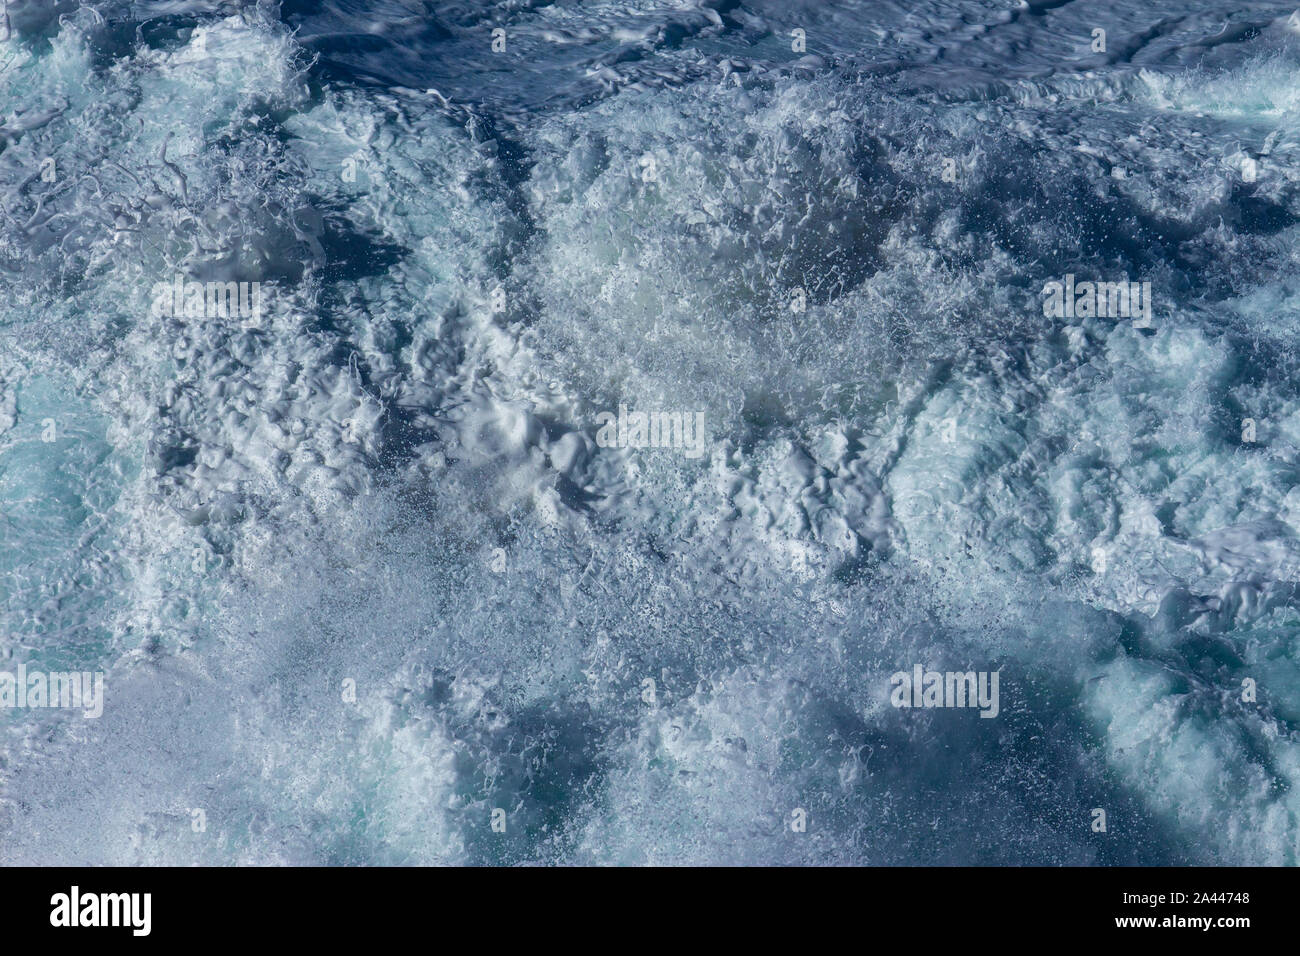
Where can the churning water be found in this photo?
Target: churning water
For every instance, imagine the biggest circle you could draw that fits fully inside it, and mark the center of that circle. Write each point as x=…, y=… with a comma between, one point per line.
x=601, y=404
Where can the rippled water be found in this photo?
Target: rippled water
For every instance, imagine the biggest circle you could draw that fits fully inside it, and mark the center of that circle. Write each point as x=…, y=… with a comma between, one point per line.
x=364, y=570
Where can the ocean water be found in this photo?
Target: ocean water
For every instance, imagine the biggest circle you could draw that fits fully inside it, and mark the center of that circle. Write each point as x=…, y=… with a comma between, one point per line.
x=369, y=584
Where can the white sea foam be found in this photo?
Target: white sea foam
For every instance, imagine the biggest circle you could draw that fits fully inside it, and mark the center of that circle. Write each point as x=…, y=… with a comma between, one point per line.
x=394, y=480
